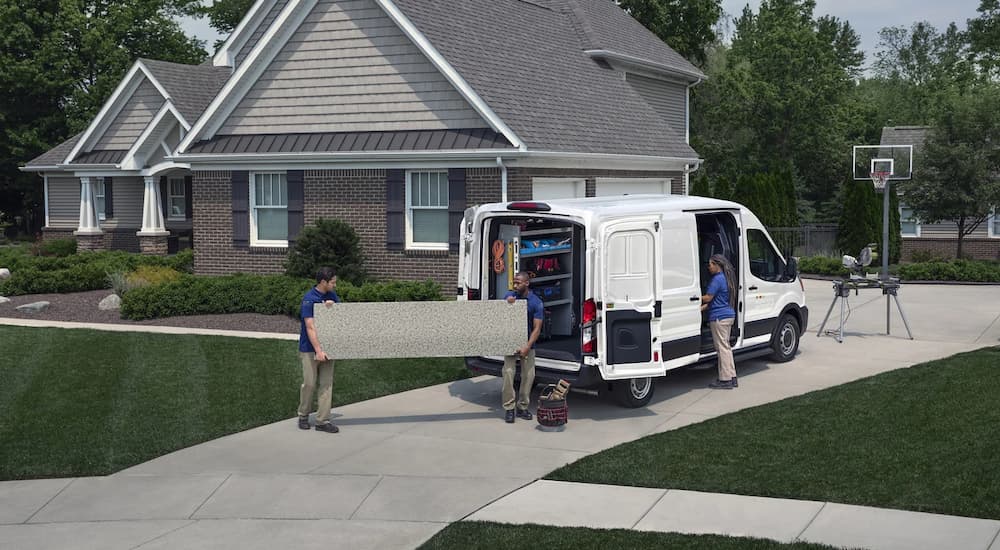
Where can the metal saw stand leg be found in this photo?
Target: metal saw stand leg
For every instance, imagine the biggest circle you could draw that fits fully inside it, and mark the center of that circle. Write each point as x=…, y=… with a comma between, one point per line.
x=893, y=292
x=840, y=293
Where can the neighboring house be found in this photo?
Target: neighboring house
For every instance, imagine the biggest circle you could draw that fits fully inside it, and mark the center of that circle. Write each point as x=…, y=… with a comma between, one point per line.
x=393, y=115
x=939, y=239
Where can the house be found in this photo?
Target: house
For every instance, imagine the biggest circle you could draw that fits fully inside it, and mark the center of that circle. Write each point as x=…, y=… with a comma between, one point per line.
x=938, y=239
x=393, y=115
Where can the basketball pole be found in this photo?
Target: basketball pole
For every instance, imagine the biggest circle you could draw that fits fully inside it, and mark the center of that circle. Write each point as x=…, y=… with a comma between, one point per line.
x=885, y=245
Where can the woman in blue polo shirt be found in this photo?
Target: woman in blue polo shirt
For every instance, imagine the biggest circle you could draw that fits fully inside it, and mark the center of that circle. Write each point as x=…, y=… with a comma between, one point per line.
x=720, y=301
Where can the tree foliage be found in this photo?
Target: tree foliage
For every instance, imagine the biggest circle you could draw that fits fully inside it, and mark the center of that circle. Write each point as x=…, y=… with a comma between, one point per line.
x=955, y=178
x=328, y=242
x=59, y=62
x=687, y=26
x=225, y=15
x=984, y=38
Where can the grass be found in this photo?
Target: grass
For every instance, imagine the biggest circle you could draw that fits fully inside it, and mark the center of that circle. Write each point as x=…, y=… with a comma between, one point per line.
x=84, y=403
x=922, y=438
x=474, y=535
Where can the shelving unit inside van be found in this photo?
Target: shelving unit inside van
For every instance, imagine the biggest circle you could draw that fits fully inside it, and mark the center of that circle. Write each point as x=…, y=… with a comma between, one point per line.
x=547, y=252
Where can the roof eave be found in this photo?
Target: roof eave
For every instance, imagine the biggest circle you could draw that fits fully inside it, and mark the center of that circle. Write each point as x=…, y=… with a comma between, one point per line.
x=623, y=59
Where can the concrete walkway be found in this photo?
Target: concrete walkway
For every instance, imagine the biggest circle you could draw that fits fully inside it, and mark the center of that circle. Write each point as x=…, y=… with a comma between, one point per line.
x=406, y=465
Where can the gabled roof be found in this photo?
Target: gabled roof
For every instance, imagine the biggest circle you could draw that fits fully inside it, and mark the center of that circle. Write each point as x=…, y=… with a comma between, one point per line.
x=534, y=73
x=190, y=87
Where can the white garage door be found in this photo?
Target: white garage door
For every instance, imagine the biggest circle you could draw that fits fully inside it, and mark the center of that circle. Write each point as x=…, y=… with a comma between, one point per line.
x=557, y=188
x=632, y=186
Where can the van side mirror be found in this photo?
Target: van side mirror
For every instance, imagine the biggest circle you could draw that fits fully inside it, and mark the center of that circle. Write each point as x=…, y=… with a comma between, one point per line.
x=791, y=269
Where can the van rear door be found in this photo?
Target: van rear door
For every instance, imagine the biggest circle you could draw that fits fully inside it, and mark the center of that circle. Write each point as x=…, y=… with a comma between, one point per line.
x=629, y=266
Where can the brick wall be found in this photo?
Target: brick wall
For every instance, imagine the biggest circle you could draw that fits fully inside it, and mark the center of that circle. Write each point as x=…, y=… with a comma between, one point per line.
x=358, y=198
x=979, y=249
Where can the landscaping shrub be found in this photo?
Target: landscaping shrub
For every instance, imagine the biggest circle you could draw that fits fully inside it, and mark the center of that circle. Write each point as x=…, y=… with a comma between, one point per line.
x=59, y=248
x=78, y=272
x=146, y=275
x=265, y=294
x=921, y=256
x=822, y=265
x=330, y=243
x=956, y=270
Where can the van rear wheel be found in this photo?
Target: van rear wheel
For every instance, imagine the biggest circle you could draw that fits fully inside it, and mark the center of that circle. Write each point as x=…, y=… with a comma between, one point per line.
x=633, y=392
x=785, y=342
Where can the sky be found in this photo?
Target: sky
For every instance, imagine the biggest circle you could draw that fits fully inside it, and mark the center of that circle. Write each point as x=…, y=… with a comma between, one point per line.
x=867, y=17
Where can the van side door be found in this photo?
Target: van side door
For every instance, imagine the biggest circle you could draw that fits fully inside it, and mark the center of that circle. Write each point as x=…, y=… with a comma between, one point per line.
x=766, y=289
x=679, y=292
x=630, y=262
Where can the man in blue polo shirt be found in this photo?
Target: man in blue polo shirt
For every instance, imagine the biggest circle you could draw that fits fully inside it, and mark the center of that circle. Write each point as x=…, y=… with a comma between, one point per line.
x=526, y=353
x=316, y=364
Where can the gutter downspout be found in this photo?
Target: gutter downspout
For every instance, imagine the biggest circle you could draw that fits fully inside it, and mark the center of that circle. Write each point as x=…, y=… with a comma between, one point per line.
x=687, y=135
x=503, y=179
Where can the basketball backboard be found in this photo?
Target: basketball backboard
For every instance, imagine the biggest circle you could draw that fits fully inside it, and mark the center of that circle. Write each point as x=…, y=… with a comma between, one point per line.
x=896, y=161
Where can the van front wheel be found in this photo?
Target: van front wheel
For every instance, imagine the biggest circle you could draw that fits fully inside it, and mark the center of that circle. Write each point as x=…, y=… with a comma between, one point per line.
x=785, y=341
x=633, y=392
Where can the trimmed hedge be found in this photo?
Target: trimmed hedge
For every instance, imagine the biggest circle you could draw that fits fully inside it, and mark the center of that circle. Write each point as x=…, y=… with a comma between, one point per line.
x=78, y=272
x=265, y=294
x=939, y=270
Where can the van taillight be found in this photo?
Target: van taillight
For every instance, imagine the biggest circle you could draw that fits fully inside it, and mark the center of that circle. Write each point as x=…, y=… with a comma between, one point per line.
x=589, y=329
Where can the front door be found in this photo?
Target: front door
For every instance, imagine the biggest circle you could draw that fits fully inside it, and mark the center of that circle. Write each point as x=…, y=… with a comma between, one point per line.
x=630, y=265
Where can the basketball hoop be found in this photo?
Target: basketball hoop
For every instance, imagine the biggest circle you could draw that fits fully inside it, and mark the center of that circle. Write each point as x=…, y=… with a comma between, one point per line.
x=879, y=179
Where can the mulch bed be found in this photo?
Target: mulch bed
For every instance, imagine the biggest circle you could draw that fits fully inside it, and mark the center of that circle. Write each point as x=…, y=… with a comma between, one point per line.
x=81, y=307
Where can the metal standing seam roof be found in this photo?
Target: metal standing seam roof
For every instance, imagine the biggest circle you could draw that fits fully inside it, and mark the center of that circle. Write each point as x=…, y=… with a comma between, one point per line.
x=339, y=142
x=100, y=157
x=527, y=62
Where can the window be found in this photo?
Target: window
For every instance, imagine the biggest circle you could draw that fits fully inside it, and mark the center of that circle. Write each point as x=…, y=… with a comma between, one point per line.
x=99, y=196
x=765, y=263
x=269, y=210
x=427, y=210
x=176, y=205
x=909, y=226
x=994, y=224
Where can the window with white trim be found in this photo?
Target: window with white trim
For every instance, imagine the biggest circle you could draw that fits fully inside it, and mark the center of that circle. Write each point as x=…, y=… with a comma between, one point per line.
x=909, y=225
x=427, y=210
x=99, y=194
x=994, y=224
x=176, y=203
x=269, y=210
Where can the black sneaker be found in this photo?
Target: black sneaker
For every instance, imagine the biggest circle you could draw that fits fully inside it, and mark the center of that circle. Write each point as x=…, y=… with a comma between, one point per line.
x=303, y=422
x=327, y=427
x=508, y=417
x=722, y=385
x=524, y=413
x=735, y=382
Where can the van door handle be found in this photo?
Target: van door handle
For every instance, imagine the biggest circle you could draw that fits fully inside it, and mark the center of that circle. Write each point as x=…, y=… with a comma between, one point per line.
x=694, y=298
x=752, y=288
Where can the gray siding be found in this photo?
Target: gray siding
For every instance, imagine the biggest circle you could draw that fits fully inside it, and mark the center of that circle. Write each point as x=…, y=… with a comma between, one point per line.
x=349, y=68
x=668, y=99
x=128, y=203
x=133, y=118
x=259, y=32
x=64, y=202
x=950, y=230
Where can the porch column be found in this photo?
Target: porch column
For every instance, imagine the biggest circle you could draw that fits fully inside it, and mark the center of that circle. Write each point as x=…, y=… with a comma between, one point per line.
x=153, y=235
x=89, y=235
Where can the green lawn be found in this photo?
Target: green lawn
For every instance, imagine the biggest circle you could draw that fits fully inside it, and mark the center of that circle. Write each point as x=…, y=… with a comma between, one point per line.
x=496, y=536
x=83, y=403
x=922, y=438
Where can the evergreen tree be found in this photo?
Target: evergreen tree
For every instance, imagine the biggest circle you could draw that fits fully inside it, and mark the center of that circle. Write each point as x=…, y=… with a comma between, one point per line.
x=861, y=219
x=700, y=186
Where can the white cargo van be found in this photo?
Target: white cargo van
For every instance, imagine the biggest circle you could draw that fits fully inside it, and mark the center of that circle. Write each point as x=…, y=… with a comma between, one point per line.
x=621, y=280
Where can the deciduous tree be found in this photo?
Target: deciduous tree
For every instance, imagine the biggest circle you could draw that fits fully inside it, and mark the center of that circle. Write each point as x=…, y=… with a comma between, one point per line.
x=687, y=26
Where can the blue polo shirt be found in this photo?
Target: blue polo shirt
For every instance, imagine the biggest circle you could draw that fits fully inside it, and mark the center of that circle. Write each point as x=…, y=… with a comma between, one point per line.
x=311, y=298
x=535, y=309
x=719, y=307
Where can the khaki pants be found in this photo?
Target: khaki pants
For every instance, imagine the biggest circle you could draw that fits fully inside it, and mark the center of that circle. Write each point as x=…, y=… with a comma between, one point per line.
x=720, y=337
x=314, y=371
x=527, y=380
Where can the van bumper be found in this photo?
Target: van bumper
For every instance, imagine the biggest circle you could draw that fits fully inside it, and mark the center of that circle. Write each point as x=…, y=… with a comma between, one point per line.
x=587, y=377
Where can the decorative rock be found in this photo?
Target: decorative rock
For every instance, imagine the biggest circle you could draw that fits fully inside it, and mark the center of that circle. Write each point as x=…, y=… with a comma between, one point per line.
x=4, y=273
x=34, y=307
x=4, y=300
x=110, y=302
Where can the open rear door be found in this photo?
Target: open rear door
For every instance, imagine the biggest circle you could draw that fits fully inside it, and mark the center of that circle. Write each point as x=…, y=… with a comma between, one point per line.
x=629, y=271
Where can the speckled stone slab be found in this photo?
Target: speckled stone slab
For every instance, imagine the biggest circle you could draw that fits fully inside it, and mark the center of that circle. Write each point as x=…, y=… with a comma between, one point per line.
x=421, y=329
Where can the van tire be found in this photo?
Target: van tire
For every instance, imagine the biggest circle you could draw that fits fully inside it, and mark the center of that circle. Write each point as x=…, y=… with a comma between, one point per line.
x=785, y=342
x=633, y=392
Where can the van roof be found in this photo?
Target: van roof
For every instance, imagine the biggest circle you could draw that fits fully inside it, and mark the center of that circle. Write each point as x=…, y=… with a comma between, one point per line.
x=625, y=204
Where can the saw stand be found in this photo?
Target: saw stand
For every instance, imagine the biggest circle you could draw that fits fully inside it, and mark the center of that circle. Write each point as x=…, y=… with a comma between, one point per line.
x=841, y=291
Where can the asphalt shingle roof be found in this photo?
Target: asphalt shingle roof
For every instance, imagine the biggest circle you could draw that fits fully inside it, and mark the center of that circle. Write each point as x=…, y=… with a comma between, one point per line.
x=527, y=62
x=56, y=155
x=191, y=87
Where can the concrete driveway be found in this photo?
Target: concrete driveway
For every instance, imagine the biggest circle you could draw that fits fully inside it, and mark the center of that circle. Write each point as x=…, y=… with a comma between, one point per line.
x=406, y=465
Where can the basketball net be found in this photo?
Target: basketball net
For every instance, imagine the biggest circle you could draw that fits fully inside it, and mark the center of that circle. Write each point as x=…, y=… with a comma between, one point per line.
x=879, y=179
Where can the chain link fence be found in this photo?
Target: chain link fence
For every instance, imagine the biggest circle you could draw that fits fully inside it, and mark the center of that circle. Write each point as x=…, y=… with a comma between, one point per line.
x=816, y=239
